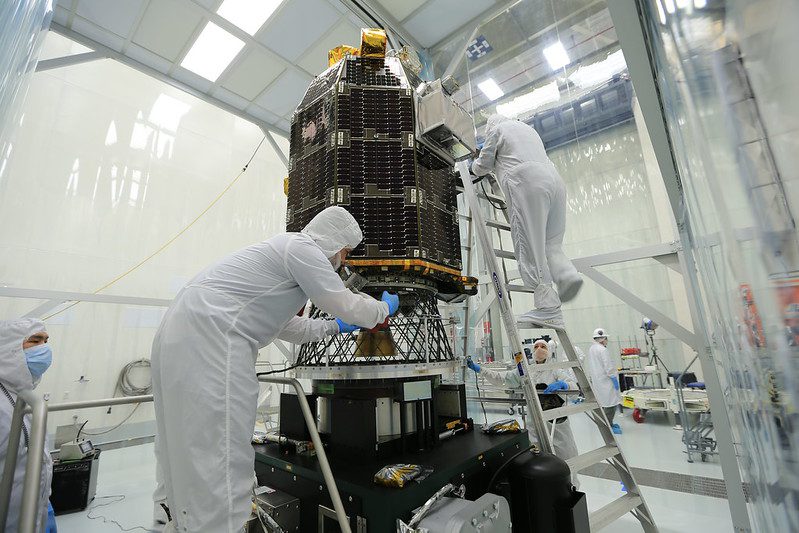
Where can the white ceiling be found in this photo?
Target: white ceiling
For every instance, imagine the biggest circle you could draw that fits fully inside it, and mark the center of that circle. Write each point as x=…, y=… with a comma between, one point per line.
x=267, y=79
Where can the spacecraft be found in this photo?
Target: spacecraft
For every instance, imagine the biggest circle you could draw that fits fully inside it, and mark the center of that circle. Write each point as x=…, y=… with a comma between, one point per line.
x=372, y=137
x=369, y=135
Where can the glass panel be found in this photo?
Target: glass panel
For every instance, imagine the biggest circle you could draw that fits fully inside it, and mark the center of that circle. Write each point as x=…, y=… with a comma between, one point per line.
x=558, y=66
x=730, y=103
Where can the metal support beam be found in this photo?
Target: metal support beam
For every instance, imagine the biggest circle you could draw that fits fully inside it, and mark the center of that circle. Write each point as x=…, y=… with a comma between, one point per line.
x=728, y=456
x=283, y=349
x=43, y=309
x=283, y=157
x=632, y=34
x=40, y=294
x=628, y=297
x=141, y=67
x=373, y=13
x=654, y=251
x=66, y=61
x=632, y=37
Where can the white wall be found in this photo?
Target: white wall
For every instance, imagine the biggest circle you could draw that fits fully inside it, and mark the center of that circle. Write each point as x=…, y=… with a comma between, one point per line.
x=108, y=165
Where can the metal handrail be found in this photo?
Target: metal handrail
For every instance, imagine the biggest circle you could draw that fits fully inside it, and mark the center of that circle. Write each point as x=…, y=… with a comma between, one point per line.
x=33, y=469
x=327, y=473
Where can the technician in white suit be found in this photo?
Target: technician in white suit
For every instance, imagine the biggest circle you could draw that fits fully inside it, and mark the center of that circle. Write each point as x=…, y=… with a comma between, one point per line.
x=204, y=354
x=24, y=357
x=604, y=377
x=558, y=379
x=536, y=198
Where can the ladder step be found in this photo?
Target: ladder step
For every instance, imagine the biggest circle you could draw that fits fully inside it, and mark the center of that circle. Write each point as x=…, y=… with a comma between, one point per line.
x=497, y=224
x=570, y=409
x=504, y=254
x=613, y=511
x=555, y=365
x=512, y=287
x=531, y=324
x=493, y=197
x=593, y=457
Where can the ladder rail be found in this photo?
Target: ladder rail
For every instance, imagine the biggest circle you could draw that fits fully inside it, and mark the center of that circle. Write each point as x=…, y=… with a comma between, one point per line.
x=522, y=366
x=633, y=502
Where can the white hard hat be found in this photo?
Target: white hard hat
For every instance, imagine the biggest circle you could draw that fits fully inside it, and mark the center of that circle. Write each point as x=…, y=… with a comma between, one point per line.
x=600, y=333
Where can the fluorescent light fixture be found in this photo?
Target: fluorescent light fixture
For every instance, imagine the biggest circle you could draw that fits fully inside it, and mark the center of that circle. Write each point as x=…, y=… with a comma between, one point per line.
x=212, y=52
x=699, y=4
x=661, y=13
x=556, y=56
x=249, y=15
x=599, y=72
x=670, y=7
x=525, y=103
x=490, y=89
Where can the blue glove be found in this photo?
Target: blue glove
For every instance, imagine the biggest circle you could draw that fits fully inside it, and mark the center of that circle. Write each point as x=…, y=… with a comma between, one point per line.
x=343, y=327
x=474, y=366
x=50, y=527
x=393, y=302
x=556, y=385
x=480, y=146
x=615, y=381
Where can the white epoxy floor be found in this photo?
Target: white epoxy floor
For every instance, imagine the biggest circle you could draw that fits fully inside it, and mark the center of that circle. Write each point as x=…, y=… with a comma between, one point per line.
x=129, y=472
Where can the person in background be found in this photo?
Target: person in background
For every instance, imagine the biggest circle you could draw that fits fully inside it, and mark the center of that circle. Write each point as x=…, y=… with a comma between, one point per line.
x=604, y=377
x=204, y=380
x=535, y=195
x=24, y=357
x=552, y=381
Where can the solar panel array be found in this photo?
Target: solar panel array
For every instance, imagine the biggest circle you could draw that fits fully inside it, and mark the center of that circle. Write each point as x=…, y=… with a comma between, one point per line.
x=353, y=144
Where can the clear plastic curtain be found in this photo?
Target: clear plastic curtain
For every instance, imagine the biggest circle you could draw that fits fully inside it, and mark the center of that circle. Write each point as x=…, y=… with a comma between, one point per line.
x=23, y=25
x=731, y=115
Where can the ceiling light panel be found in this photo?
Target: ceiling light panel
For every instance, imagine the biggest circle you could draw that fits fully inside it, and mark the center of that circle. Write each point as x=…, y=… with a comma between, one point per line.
x=556, y=56
x=249, y=15
x=167, y=26
x=293, y=30
x=490, y=89
x=212, y=52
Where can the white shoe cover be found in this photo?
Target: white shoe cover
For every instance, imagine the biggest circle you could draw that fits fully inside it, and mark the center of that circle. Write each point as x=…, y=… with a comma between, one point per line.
x=568, y=289
x=552, y=317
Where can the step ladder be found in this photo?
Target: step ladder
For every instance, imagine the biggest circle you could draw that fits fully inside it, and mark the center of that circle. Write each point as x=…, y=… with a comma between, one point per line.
x=633, y=501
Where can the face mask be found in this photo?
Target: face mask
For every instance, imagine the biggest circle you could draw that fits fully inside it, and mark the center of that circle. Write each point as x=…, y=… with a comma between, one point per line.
x=336, y=261
x=39, y=358
x=541, y=354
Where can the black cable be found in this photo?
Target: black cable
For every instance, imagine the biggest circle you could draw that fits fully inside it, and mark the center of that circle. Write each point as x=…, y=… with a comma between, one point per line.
x=80, y=429
x=253, y=154
x=479, y=395
x=292, y=367
x=490, y=201
x=117, y=498
x=505, y=464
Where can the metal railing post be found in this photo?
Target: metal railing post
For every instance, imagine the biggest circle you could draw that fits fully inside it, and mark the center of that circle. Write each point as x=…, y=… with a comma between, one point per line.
x=31, y=489
x=11, y=461
x=327, y=473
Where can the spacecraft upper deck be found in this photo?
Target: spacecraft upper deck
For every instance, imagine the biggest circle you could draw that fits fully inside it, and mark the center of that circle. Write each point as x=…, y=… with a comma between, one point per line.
x=370, y=136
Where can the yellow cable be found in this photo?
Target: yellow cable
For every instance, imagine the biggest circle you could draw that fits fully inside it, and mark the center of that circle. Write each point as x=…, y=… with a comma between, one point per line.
x=167, y=243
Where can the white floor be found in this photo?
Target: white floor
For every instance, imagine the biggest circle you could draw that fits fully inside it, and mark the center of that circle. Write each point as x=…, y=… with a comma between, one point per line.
x=654, y=444
x=129, y=472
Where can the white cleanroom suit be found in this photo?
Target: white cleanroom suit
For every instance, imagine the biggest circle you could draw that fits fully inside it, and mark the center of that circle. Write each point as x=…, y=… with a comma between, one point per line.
x=15, y=377
x=204, y=354
x=536, y=200
x=563, y=438
x=601, y=368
